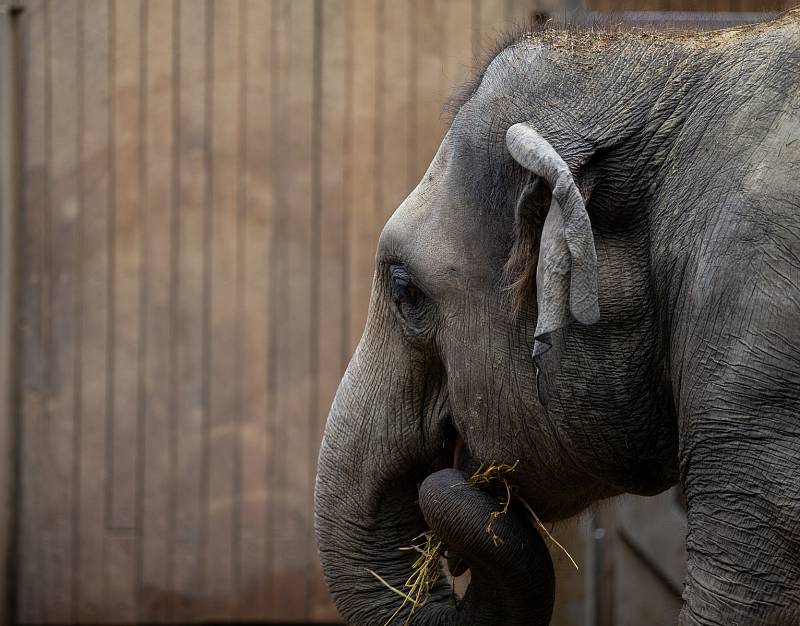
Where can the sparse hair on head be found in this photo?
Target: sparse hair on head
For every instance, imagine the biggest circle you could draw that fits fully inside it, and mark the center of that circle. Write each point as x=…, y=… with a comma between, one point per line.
x=602, y=27
x=505, y=38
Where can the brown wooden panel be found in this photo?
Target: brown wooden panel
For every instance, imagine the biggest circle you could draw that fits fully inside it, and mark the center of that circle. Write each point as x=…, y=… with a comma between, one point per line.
x=363, y=44
x=655, y=529
x=457, y=40
x=32, y=597
x=190, y=340
x=255, y=318
x=126, y=263
x=394, y=161
x=517, y=12
x=640, y=595
x=158, y=221
x=57, y=529
x=9, y=300
x=223, y=497
x=291, y=465
x=489, y=19
x=94, y=250
x=279, y=278
x=126, y=257
x=331, y=304
x=427, y=54
x=569, y=607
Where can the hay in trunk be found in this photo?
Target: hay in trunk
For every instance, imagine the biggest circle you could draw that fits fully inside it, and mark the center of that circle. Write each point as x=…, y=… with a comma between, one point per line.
x=426, y=569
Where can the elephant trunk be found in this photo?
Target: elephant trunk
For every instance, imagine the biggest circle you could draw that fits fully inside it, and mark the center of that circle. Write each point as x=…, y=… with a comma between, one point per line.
x=369, y=505
x=512, y=580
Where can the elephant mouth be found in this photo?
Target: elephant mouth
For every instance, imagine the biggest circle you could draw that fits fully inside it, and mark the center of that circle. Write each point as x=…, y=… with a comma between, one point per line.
x=454, y=453
x=461, y=455
x=456, y=566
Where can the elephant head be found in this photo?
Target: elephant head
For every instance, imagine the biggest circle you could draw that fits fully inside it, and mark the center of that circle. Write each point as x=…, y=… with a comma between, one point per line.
x=503, y=325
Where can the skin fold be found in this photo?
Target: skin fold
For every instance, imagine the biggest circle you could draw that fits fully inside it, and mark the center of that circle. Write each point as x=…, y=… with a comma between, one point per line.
x=686, y=151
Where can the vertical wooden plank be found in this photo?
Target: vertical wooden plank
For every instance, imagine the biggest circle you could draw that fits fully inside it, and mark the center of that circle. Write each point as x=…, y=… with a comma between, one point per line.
x=601, y=545
x=362, y=161
x=475, y=33
x=158, y=191
x=395, y=126
x=95, y=296
x=378, y=134
x=491, y=25
x=457, y=48
x=291, y=530
x=518, y=13
x=222, y=497
x=413, y=96
x=189, y=339
x=313, y=571
x=32, y=596
x=569, y=608
x=278, y=271
x=127, y=257
x=256, y=222
x=57, y=531
x=332, y=301
x=126, y=269
x=9, y=302
x=640, y=595
x=429, y=121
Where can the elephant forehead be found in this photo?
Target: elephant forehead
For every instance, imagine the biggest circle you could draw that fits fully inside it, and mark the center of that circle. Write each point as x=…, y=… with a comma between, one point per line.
x=434, y=230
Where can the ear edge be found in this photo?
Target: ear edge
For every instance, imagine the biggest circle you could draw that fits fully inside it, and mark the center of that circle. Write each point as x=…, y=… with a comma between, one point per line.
x=538, y=156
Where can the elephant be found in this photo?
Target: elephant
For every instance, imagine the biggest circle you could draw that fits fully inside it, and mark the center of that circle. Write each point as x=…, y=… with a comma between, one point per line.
x=598, y=277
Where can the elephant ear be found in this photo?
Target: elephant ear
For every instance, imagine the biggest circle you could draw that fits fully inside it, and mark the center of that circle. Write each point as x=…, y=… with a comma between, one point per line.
x=566, y=275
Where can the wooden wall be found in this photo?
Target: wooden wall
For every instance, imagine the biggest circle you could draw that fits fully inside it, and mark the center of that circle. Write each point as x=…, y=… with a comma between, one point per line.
x=203, y=187
x=9, y=275
x=203, y=184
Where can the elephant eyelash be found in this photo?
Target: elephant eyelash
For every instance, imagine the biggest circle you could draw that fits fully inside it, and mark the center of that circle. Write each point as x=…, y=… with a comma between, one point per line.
x=411, y=304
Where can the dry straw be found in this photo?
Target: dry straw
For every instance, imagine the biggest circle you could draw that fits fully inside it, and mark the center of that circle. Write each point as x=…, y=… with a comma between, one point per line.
x=426, y=569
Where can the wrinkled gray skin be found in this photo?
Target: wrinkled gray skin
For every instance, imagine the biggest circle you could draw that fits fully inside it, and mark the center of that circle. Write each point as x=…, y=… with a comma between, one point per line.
x=688, y=154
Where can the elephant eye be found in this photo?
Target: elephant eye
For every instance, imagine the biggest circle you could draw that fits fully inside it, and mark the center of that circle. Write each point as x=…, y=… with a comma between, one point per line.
x=403, y=291
x=408, y=299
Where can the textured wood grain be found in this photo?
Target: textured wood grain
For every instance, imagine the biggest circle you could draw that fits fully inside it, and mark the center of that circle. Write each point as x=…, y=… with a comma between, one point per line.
x=9, y=303
x=427, y=52
x=330, y=300
x=190, y=339
x=158, y=220
x=125, y=315
x=291, y=458
x=224, y=283
x=488, y=28
x=62, y=338
x=255, y=312
x=363, y=44
x=31, y=597
x=457, y=38
x=394, y=77
x=95, y=295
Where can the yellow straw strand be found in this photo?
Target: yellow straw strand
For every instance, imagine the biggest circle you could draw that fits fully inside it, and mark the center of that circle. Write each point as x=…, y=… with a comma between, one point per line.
x=546, y=532
x=390, y=586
